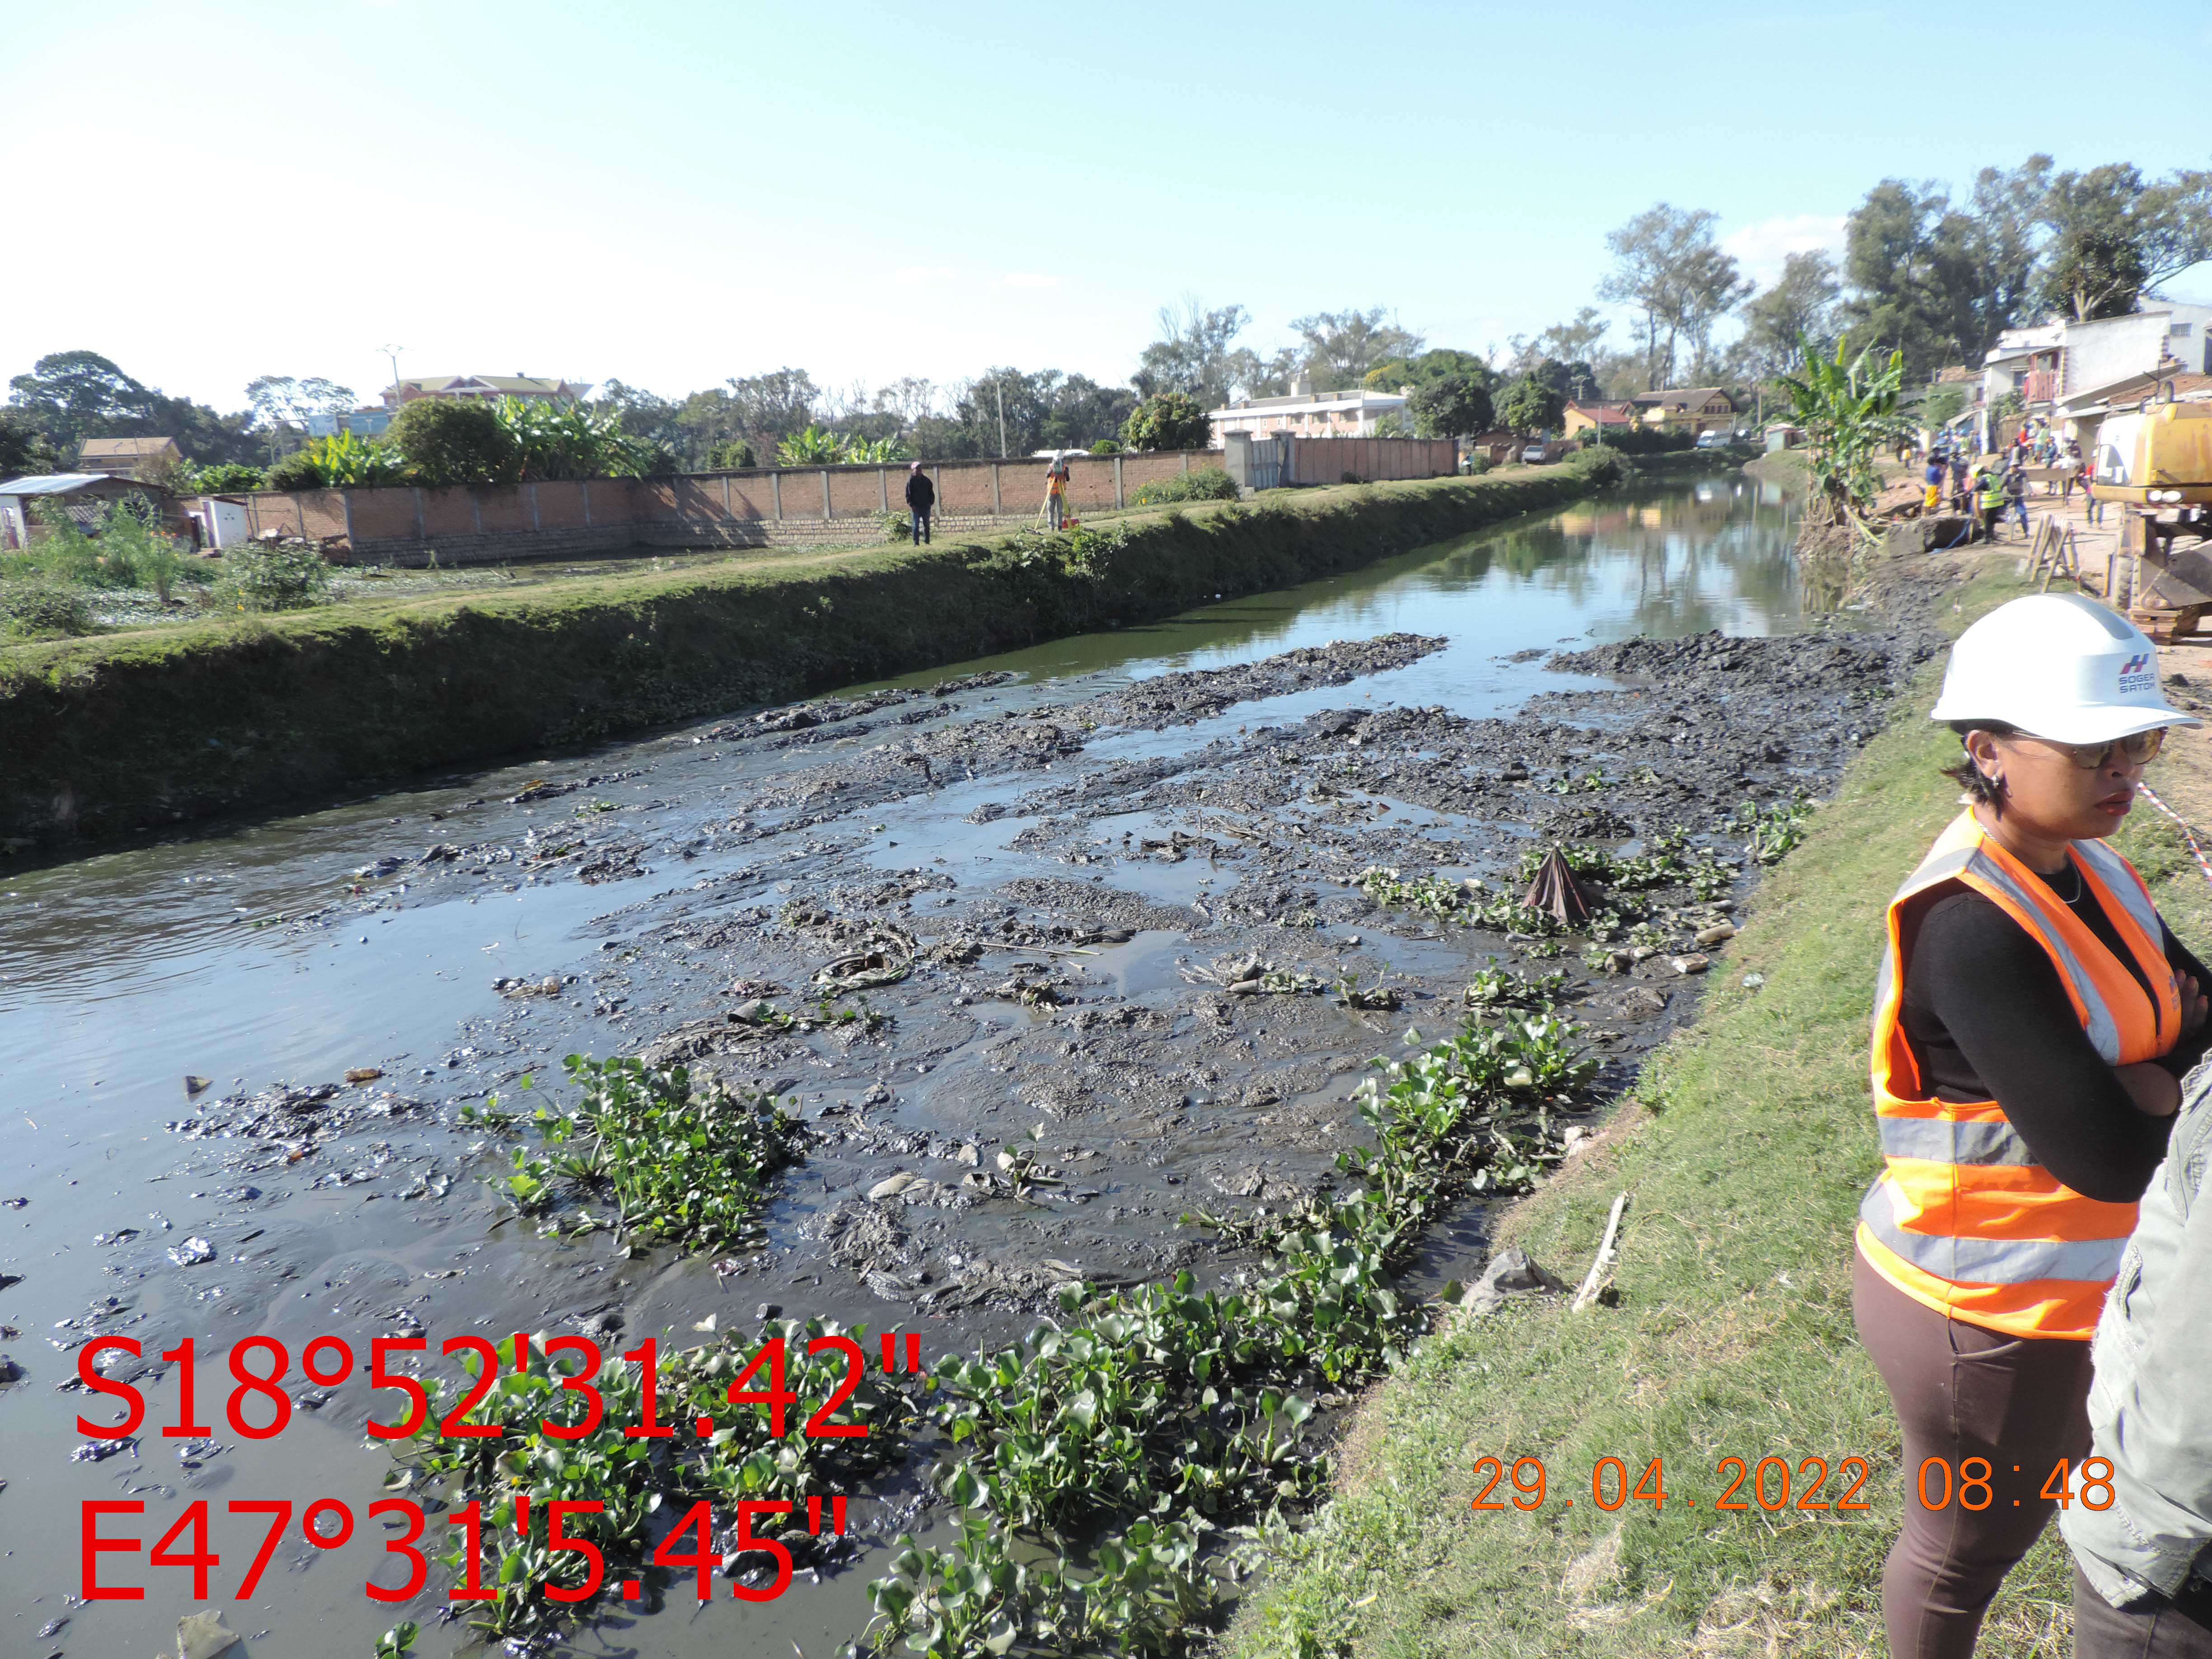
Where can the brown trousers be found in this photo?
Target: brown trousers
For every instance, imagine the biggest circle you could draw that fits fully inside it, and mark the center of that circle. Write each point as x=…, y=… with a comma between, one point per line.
x=2158, y=1630
x=1963, y=1391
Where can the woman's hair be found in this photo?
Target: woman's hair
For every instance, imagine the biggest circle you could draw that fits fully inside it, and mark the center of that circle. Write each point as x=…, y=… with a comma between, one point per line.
x=1980, y=789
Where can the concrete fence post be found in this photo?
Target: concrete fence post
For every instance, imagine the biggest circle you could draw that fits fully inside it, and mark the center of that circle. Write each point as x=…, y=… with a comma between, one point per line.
x=1119, y=499
x=475, y=508
x=535, y=525
x=883, y=486
x=345, y=507
x=997, y=510
x=587, y=503
x=728, y=512
x=827, y=511
x=1186, y=460
x=775, y=490
x=421, y=531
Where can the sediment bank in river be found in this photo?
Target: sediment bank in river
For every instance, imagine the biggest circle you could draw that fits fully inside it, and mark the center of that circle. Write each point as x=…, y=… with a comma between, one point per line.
x=106, y=735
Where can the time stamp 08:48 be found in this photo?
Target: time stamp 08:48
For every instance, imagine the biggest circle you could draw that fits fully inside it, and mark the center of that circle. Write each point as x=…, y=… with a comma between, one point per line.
x=1774, y=1483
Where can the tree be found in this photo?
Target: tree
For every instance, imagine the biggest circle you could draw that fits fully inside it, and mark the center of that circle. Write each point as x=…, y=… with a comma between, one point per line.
x=1531, y=404
x=1342, y=346
x=23, y=450
x=1941, y=405
x=731, y=455
x=768, y=408
x=1167, y=420
x=281, y=405
x=70, y=395
x=454, y=440
x=1667, y=264
x=2115, y=237
x=1457, y=406
x=1800, y=306
x=1193, y=353
x=1934, y=281
x=1427, y=367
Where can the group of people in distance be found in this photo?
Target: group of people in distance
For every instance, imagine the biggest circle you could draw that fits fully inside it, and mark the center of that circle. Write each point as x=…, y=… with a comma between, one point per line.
x=1997, y=488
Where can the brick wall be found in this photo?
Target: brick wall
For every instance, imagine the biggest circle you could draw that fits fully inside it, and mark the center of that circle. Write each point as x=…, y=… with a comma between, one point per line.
x=765, y=507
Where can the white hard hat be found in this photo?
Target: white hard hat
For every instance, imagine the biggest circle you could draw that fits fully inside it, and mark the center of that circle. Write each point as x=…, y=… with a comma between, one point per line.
x=2058, y=666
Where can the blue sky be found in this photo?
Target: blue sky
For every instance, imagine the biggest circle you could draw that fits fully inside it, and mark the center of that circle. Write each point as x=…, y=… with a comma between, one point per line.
x=673, y=193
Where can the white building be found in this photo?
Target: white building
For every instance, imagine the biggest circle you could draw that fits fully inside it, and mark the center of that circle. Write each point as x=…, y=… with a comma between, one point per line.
x=1308, y=414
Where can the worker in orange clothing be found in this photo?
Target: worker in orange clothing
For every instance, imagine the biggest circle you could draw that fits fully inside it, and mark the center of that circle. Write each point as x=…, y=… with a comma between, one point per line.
x=1055, y=489
x=2032, y=1017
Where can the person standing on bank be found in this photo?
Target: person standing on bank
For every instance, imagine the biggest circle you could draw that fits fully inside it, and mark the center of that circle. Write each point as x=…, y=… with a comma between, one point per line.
x=2033, y=1016
x=1055, y=490
x=921, y=500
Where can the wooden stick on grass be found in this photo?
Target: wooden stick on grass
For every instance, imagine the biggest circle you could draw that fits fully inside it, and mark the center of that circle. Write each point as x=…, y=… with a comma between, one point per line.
x=1601, y=1271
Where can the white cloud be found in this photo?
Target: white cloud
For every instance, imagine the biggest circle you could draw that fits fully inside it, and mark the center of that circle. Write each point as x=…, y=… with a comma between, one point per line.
x=1028, y=279
x=1762, y=248
x=922, y=273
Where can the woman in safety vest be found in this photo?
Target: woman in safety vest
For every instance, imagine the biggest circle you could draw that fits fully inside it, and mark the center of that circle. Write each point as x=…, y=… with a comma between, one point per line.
x=2032, y=1017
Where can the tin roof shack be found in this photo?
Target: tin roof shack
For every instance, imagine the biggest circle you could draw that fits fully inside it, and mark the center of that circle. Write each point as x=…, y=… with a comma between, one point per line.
x=86, y=496
x=120, y=457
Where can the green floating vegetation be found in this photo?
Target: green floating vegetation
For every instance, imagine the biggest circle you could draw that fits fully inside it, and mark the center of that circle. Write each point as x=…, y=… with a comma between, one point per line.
x=1100, y=1465
x=679, y=1163
x=760, y=1450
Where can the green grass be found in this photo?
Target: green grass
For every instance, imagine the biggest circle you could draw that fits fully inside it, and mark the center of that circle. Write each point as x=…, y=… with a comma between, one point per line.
x=148, y=728
x=1746, y=1147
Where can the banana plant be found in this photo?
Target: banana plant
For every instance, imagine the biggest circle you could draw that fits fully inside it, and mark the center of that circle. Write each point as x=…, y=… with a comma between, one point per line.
x=1848, y=407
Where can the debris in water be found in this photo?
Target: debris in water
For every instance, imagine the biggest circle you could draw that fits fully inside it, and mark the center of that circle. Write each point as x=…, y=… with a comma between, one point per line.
x=194, y=1085
x=192, y=1253
x=1556, y=893
x=364, y=1074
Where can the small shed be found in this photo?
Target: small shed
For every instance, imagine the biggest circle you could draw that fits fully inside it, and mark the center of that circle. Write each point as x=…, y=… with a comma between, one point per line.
x=85, y=494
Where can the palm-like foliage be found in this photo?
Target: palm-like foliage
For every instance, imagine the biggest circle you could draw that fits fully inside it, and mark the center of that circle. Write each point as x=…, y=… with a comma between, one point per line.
x=1849, y=410
x=814, y=446
x=575, y=441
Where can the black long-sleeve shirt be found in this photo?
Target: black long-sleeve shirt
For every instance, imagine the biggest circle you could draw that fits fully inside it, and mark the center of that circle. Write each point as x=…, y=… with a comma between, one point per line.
x=920, y=494
x=1989, y=1019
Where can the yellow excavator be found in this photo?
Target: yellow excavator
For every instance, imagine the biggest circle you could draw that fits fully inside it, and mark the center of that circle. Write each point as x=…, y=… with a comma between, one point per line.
x=2155, y=463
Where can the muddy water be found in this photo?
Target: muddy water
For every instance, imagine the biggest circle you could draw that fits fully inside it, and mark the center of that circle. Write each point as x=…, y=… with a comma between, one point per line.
x=646, y=880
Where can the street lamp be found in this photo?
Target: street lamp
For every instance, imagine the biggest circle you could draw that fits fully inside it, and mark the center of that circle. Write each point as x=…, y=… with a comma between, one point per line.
x=392, y=352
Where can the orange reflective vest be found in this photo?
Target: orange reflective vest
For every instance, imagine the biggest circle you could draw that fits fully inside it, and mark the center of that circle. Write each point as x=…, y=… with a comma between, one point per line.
x=1962, y=1217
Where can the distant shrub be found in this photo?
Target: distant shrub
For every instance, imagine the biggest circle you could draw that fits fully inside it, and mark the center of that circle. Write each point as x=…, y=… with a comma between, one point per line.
x=36, y=608
x=1648, y=440
x=733, y=455
x=1167, y=420
x=1207, y=484
x=272, y=576
x=228, y=478
x=298, y=471
x=455, y=440
x=1105, y=447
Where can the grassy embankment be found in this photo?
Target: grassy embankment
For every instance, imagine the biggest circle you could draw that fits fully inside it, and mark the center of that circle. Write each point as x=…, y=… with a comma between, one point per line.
x=1746, y=1148
x=112, y=734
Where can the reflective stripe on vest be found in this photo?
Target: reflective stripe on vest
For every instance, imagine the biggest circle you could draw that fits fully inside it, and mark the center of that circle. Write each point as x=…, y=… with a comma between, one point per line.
x=1962, y=1217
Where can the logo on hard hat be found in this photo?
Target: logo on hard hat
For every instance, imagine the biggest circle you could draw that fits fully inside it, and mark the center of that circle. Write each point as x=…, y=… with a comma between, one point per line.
x=2137, y=675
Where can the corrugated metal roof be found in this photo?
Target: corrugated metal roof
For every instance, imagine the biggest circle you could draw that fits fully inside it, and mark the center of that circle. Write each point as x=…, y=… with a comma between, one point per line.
x=52, y=484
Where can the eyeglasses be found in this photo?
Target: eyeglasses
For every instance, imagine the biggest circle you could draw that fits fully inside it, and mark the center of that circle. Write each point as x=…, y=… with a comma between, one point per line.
x=2137, y=749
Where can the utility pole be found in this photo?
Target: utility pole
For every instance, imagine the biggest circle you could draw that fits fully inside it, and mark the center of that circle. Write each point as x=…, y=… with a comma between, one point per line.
x=1001, y=388
x=392, y=352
